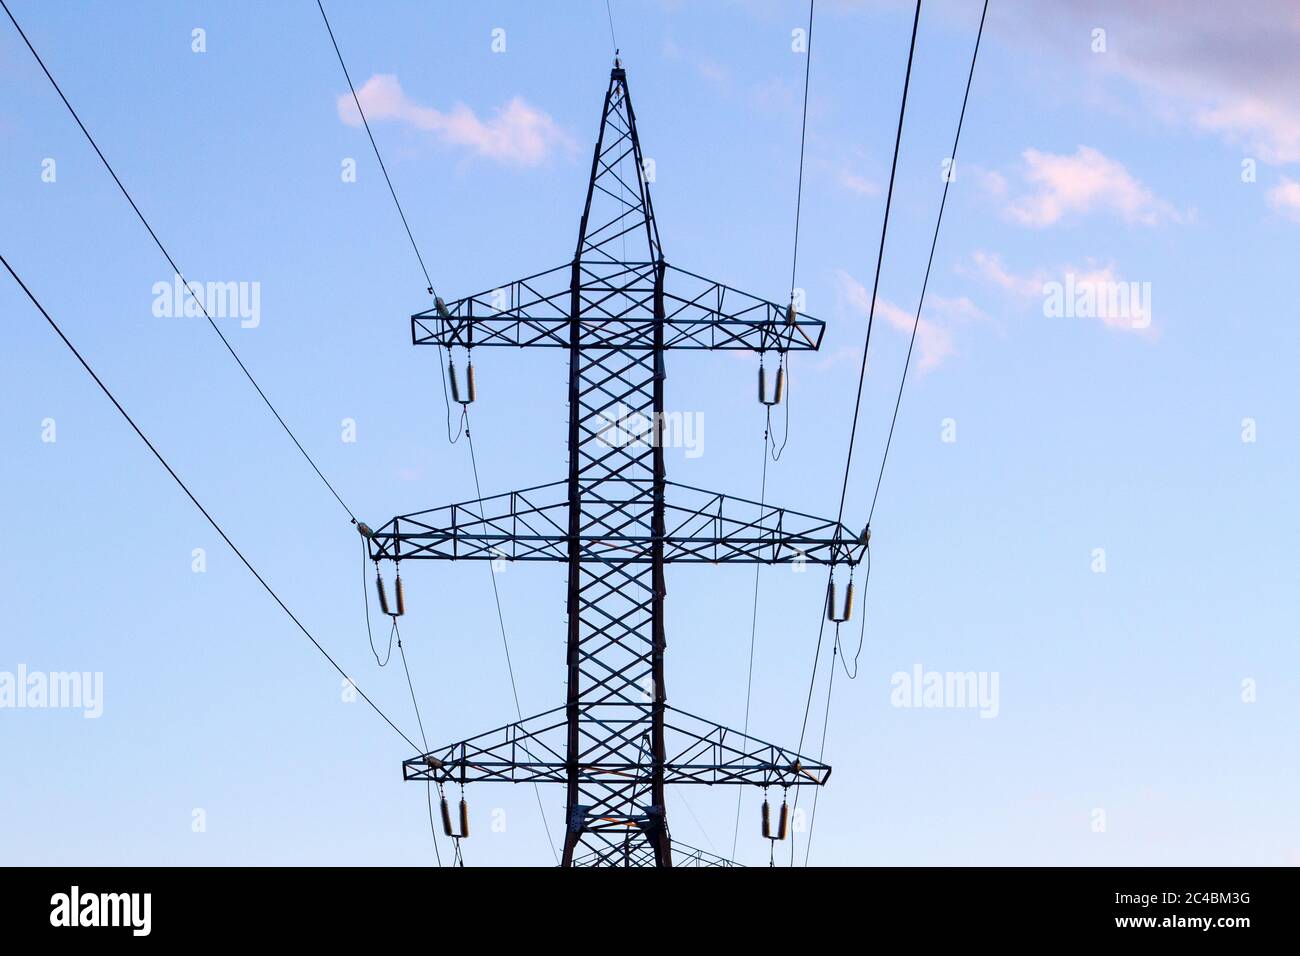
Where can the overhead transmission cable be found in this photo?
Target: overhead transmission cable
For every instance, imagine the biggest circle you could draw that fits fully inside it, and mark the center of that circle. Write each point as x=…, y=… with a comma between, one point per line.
x=768, y=437
x=464, y=419
x=934, y=242
x=428, y=282
x=175, y=268
x=189, y=494
x=880, y=254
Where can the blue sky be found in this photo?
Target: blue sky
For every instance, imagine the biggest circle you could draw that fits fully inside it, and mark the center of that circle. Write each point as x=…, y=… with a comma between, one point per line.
x=1119, y=691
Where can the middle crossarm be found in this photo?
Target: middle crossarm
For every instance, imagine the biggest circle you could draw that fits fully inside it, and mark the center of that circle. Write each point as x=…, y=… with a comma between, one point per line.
x=701, y=526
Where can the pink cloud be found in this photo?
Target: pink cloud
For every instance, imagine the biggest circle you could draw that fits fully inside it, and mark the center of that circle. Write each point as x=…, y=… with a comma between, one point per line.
x=933, y=342
x=1099, y=286
x=1285, y=198
x=517, y=134
x=1084, y=182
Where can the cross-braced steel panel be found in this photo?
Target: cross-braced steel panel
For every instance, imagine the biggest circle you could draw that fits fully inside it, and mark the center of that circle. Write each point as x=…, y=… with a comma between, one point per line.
x=618, y=308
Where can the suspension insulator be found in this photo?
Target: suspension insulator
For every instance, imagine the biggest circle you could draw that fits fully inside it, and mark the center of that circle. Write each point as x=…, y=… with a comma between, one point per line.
x=830, y=604
x=382, y=592
x=446, y=817
x=783, y=821
x=464, y=818
x=401, y=596
x=441, y=307
x=455, y=385
x=777, y=392
x=767, y=819
x=469, y=382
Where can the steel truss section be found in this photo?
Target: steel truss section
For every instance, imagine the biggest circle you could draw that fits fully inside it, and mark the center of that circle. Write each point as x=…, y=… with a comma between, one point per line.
x=697, y=751
x=633, y=853
x=699, y=314
x=618, y=308
x=702, y=527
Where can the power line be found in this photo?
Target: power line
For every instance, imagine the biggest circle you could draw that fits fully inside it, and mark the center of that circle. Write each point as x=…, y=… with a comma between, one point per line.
x=428, y=282
x=952, y=174
x=880, y=256
x=897, y=402
x=862, y=373
x=189, y=494
x=415, y=703
x=175, y=268
x=612, y=39
x=446, y=400
x=505, y=641
x=768, y=432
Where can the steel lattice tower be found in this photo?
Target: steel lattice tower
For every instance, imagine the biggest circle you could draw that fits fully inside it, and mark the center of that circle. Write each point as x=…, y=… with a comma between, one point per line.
x=618, y=308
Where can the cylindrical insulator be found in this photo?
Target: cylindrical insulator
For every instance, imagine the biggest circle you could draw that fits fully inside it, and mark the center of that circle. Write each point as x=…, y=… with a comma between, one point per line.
x=762, y=385
x=464, y=818
x=791, y=314
x=455, y=385
x=441, y=307
x=848, y=601
x=767, y=820
x=383, y=594
x=783, y=821
x=469, y=381
x=401, y=596
x=830, y=601
x=446, y=818
x=780, y=385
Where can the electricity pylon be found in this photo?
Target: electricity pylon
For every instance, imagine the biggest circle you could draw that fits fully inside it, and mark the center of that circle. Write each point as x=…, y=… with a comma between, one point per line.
x=615, y=743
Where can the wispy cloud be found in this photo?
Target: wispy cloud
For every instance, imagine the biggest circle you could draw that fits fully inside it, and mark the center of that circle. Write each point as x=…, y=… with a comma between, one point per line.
x=934, y=342
x=1227, y=68
x=1085, y=181
x=856, y=184
x=517, y=134
x=1096, y=285
x=1285, y=198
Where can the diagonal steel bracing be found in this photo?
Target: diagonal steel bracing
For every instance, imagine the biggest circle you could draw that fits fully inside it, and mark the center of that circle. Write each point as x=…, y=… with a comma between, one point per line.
x=618, y=308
